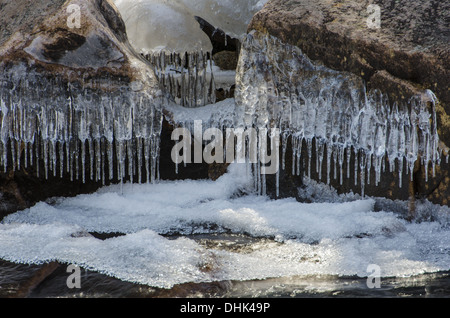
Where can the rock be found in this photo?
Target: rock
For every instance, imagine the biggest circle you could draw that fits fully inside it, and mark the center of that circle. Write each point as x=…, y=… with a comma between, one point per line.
x=21, y=189
x=76, y=101
x=39, y=276
x=412, y=43
x=226, y=60
x=407, y=54
x=219, y=39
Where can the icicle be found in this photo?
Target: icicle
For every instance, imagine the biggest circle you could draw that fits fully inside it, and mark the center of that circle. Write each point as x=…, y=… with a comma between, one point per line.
x=362, y=167
x=356, y=166
x=91, y=158
x=109, y=153
x=98, y=161
x=400, y=172
x=83, y=161
x=69, y=157
x=131, y=165
x=120, y=161
x=19, y=152
x=368, y=166
x=341, y=164
x=335, y=158
x=328, y=162
x=13, y=156
x=37, y=156
x=45, y=150
x=54, y=156
x=147, y=149
x=139, y=157
x=25, y=155
x=348, y=156
x=294, y=154
x=309, y=149
x=299, y=156
x=262, y=144
x=283, y=151
x=319, y=155
x=278, y=183
x=103, y=162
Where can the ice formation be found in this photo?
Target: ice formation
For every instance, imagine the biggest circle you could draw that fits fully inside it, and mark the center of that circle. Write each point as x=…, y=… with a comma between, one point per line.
x=181, y=52
x=187, y=78
x=62, y=127
x=278, y=86
x=66, y=128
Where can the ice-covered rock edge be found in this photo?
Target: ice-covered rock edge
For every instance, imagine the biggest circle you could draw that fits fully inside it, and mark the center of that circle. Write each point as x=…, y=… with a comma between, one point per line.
x=279, y=86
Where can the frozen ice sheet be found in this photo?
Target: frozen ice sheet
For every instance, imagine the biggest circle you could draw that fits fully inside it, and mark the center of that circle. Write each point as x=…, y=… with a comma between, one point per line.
x=335, y=238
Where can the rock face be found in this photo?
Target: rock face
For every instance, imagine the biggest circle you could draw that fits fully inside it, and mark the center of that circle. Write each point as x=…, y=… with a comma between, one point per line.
x=405, y=54
x=77, y=103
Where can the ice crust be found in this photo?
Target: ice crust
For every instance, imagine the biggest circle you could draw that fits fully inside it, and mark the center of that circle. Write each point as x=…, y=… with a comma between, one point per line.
x=335, y=238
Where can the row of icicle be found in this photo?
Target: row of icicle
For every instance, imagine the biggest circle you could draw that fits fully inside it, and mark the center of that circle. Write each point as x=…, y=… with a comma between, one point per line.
x=64, y=128
x=187, y=78
x=75, y=130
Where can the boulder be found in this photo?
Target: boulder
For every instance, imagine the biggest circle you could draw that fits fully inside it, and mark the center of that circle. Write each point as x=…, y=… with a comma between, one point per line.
x=79, y=108
x=401, y=54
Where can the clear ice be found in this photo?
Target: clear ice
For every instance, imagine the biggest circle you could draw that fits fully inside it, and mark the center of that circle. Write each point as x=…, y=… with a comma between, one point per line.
x=187, y=78
x=278, y=86
x=63, y=127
